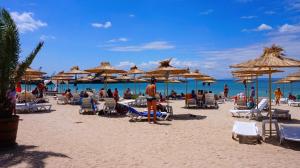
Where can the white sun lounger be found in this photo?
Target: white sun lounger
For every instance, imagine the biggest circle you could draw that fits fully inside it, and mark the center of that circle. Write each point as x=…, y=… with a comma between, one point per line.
x=293, y=103
x=262, y=104
x=245, y=129
x=289, y=133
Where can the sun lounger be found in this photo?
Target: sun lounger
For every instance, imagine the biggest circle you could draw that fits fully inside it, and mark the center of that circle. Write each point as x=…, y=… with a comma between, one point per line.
x=289, y=133
x=210, y=100
x=87, y=107
x=136, y=115
x=243, y=130
x=33, y=107
x=109, y=105
x=75, y=99
x=141, y=101
x=281, y=114
x=293, y=103
x=256, y=111
x=62, y=100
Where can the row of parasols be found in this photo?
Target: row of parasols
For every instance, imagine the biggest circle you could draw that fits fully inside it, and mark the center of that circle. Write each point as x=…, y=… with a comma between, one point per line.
x=164, y=72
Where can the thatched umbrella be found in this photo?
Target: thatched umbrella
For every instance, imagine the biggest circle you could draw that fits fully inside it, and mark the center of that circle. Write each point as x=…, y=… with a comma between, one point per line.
x=61, y=76
x=166, y=69
x=283, y=82
x=134, y=71
x=76, y=71
x=105, y=68
x=272, y=57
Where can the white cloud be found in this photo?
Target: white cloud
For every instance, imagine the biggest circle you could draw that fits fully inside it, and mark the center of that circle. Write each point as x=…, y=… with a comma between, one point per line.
x=270, y=12
x=131, y=15
x=125, y=64
x=287, y=28
x=155, y=45
x=262, y=27
x=47, y=37
x=26, y=22
x=207, y=12
x=248, y=17
x=104, y=25
x=121, y=39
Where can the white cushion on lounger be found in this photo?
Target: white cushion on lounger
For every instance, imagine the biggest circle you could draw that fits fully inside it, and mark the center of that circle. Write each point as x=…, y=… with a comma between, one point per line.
x=245, y=128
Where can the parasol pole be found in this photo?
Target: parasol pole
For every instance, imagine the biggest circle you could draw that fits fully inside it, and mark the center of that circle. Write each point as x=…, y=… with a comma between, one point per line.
x=134, y=84
x=270, y=101
x=257, y=91
x=167, y=76
x=186, y=88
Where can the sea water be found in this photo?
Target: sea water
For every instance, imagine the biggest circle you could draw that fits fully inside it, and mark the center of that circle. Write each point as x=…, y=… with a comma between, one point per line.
x=217, y=87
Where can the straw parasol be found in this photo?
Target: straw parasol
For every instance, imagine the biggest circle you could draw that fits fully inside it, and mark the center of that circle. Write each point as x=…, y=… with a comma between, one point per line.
x=196, y=74
x=166, y=69
x=125, y=78
x=296, y=74
x=76, y=71
x=272, y=57
x=134, y=71
x=105, y=68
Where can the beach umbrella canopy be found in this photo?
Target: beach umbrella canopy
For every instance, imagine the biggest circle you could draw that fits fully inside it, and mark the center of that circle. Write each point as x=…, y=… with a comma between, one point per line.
x=63, y=74
x=84, y=79
x=134, y=70
x=206, y=77
x=255, y=70
x=140, y=80
x=105, y=68
x=110, y=80
x=209, y=81
x=272, y=57
x=75, y=70
x=195, y=74
x=292, y=78
x=166, y=69
x=282, y=81
x=29, y=71
x=296, y=74
x=123, y=78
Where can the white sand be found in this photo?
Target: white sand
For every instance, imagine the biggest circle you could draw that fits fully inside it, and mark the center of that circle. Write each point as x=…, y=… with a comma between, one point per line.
x=64, y=138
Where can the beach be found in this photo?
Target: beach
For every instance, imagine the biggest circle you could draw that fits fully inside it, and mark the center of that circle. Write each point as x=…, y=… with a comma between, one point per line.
x=64, y=138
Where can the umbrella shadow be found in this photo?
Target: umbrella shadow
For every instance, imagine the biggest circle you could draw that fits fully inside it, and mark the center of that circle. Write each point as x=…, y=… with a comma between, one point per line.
x=287, y=144
x=188, y=117
x=159, y=122
x=26, y=154
x=36, y=112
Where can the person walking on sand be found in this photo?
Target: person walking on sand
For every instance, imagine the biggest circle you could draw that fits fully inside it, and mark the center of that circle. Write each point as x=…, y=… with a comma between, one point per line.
x=226, y=90
x=278, y=95
x=151, y=99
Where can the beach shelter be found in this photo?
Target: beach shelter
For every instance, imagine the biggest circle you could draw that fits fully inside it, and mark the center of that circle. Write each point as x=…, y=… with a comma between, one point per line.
x=76, y=71
x=283, y=82
x=61, y=76
x=166, y=69
x=205, y=78
x=292, y=79
x=105, y=68
x=134, y=71
x=272, y=57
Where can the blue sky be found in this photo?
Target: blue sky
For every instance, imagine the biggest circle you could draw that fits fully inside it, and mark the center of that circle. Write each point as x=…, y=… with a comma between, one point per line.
x=204, y=35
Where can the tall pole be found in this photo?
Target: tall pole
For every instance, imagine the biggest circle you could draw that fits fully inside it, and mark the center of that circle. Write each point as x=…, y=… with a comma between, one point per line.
x=256, y=91
x=134, y=84
x=186, y=88
x=270, y=100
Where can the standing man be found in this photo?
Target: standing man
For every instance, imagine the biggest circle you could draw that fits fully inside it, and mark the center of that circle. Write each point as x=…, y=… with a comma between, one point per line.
x=151, y=99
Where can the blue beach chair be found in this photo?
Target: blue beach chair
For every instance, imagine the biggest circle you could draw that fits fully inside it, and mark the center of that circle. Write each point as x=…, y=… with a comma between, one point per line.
x=136, y=115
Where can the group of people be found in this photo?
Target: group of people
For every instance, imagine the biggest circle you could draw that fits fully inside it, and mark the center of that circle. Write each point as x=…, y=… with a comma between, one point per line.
x=109, y=94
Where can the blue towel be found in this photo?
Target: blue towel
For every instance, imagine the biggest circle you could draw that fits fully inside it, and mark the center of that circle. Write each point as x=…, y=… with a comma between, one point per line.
x=144, y=114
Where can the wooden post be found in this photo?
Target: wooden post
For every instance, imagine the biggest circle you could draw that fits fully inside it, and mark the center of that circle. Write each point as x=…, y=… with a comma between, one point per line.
x=256, y=91
x=270, y=101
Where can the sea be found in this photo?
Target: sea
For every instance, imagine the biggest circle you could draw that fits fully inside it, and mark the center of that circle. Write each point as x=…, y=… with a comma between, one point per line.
x=217, y=87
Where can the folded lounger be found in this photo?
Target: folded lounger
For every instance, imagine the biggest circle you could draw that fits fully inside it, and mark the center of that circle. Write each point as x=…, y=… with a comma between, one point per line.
x=289, y=133
x=134, y=114
x=262, y=104
x=245, y=129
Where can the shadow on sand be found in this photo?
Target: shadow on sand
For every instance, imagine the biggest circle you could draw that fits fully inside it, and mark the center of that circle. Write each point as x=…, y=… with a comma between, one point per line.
x=188, y=117
x=25, y=154
x=287, y=144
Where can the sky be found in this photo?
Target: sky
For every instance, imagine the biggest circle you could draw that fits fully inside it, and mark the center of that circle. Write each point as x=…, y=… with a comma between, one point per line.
x=199, y=34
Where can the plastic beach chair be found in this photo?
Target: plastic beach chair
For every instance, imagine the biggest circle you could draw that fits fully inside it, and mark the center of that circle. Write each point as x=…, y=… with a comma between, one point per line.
x=262, y=104
x=289, y=133
x=245, y=130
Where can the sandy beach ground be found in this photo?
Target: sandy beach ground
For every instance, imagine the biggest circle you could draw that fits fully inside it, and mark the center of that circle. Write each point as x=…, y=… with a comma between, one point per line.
x=64, y=138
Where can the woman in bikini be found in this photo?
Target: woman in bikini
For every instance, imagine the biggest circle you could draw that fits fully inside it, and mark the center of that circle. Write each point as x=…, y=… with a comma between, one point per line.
x=151, y=99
